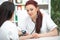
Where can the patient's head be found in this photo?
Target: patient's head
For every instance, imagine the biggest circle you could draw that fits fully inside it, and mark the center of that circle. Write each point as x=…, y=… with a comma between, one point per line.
x=6, y=11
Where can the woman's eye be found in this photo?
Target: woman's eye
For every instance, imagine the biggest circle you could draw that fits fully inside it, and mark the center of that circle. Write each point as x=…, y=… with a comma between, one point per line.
x=27, y=10
x=31, y=9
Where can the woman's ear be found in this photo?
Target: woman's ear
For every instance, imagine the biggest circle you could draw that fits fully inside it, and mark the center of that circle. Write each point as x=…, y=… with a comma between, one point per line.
x=37, y=8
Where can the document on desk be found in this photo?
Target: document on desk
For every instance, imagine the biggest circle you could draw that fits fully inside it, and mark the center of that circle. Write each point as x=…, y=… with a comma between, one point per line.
x=47, y=38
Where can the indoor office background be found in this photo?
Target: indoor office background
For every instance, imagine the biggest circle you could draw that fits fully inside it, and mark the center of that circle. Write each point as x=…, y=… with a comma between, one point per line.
x=52, y=7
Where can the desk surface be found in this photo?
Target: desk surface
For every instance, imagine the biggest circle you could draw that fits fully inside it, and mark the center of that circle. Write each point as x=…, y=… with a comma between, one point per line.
x=47, y=38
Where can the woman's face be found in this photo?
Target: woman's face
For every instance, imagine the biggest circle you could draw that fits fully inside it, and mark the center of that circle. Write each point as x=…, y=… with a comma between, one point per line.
x=32, y=10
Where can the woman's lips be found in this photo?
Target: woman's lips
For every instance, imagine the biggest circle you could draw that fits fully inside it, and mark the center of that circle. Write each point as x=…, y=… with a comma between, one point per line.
x=30, y=14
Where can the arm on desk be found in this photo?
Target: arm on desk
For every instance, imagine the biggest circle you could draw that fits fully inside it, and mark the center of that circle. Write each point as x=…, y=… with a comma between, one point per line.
x=54, y=32
x=25, y=37
x=36, y=35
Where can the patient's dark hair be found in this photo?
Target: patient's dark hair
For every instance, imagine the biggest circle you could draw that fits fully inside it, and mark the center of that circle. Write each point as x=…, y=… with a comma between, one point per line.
x=6, y=11
x=39, y=18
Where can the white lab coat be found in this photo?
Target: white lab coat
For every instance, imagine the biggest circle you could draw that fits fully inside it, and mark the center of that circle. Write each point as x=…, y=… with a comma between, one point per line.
x=47, y=24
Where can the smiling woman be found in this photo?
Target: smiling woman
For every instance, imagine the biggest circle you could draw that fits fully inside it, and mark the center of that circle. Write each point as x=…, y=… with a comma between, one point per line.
x=40, y=22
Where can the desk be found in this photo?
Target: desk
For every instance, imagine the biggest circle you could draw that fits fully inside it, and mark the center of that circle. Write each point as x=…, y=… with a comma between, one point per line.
x=47, y=38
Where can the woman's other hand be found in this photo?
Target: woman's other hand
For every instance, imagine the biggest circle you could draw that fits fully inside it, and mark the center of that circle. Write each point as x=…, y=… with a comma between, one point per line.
x=35, y=35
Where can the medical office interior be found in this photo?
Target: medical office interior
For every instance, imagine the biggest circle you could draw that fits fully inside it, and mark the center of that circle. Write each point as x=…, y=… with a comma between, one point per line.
x=51, y=7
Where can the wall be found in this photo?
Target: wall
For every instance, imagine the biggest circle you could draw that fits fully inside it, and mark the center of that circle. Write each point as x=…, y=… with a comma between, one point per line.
x=1, y=1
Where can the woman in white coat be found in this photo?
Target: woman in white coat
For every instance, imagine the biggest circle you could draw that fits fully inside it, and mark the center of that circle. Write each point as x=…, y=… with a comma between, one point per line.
x=40, y=24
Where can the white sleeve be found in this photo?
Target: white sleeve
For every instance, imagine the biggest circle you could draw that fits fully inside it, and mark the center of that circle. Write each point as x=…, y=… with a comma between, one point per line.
x=22, y=17
x=22, y=25
x=50, y=24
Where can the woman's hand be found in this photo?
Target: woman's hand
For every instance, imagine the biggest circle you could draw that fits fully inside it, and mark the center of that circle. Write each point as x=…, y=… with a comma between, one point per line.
x=23, y=38
x=26, y=34
x=35, y=35
x=26, y=37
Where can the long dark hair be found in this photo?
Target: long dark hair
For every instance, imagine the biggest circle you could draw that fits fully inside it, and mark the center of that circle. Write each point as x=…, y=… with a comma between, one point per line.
x=6, y=11
x=39, y=18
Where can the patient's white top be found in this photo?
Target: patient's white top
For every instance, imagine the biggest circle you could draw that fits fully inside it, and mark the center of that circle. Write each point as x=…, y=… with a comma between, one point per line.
x=8, y=31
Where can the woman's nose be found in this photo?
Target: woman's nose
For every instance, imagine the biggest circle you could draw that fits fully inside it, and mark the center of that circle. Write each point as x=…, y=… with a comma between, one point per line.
x=29, y=12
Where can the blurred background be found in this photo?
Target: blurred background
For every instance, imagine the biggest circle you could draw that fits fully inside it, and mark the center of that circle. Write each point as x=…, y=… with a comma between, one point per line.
x=55, y=11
